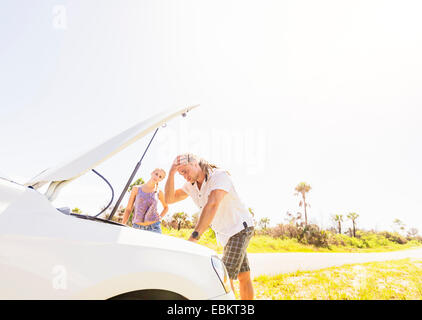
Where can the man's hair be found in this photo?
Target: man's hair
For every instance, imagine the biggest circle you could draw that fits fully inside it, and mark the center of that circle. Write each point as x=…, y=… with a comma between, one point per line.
x=205, y=166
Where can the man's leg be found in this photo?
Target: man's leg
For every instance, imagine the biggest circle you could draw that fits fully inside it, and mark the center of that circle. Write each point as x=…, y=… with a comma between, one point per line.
x=245, y=286
x=236, y=262
x=244, y=276
x=232, y=285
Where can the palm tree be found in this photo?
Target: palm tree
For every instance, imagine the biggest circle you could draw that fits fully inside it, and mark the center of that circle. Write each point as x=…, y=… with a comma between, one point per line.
x=353, y=216
x=399, y=224
x=302, y=189
x=338, y=218
x=264, y=222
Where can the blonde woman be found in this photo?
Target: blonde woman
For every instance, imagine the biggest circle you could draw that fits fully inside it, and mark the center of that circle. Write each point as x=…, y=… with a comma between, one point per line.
x=145, y=198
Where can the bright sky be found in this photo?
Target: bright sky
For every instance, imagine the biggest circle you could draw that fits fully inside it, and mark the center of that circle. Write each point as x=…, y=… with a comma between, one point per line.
x=327, y=92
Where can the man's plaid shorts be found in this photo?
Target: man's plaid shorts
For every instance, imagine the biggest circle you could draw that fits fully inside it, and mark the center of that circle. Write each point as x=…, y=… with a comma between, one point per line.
x=234, y=255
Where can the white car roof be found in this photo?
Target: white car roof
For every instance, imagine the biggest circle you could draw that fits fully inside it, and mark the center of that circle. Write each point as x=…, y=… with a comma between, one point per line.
x=76, y=167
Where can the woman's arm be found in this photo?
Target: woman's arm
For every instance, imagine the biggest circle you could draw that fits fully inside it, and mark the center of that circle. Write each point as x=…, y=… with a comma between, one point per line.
x=129, y=206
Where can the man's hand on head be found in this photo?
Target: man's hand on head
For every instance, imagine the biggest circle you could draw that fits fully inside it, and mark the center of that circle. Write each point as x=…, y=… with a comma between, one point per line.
x=174, y=168
x=177, y=163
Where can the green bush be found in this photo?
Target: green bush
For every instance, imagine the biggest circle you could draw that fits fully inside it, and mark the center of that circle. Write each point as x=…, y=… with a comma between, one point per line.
x=311, y=234
x=394, y=237
x=283, y=231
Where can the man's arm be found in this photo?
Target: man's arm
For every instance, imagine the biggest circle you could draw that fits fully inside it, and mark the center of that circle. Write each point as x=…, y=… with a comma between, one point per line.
x=209, y=211
x=172, y=196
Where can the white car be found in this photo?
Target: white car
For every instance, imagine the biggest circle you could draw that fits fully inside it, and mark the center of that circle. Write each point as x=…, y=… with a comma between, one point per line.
x=47, y=253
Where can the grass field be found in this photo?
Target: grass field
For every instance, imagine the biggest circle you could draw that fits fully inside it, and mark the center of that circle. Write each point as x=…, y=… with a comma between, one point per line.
x=389, y=280
x=398, y=279
x=263, y=243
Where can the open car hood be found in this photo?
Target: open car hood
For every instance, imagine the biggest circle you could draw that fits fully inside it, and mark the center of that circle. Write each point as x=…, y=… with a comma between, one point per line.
x=70, y=170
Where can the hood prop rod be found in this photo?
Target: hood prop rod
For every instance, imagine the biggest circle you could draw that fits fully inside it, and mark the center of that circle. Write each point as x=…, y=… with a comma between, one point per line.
x=130, y=179
x=112, y=193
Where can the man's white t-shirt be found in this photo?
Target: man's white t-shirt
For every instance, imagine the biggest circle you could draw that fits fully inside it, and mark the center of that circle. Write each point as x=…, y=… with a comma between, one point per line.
x=231, y=213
